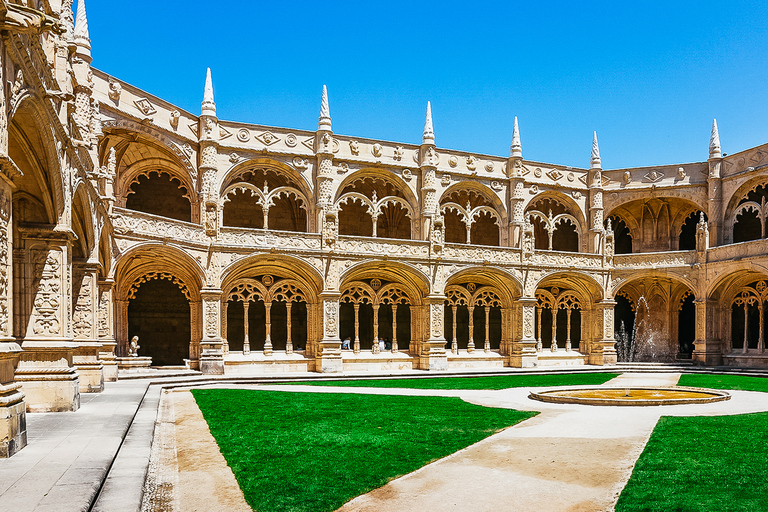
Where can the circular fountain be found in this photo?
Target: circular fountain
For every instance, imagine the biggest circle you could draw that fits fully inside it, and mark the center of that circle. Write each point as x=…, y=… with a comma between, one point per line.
x=633, y=396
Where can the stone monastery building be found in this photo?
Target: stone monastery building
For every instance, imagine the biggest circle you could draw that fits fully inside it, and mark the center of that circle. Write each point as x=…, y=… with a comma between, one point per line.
x=238, y=248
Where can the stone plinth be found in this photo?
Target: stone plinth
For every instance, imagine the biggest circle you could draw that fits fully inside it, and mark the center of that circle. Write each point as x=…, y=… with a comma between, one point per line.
x=48, y=378
x=90, y=369
x=134, y=363
x=108, y=360
x=256, y=363
x=561, y=358
x=13, y=409
x=381, y=362
x=476, y=359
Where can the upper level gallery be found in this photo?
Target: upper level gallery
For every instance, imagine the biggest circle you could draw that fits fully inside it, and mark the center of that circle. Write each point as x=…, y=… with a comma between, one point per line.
x=228, y=177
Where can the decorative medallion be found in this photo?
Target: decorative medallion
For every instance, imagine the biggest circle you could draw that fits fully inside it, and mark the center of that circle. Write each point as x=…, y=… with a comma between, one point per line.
x=267, y=280
x=534, y=189
x=489, y=166
x=471, y=163
x=537, y=172
x=243, y=135
x=291, y=140
x=654, y=176
x=453, y=161
x=495, y=185
x=407, y=174
x=145, y=106
x=576, y=195
x=343, y=168
x=375, y=284
x=554, y=175
x=471, y=287
x=300, y=163
x=267, y=138
x=570, y=176
x=376, y=150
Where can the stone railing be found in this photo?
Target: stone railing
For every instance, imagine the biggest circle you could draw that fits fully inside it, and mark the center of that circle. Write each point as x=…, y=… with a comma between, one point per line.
x=260, y=238
x=566, y=260
x=132, y=223
x=653, y=260
x=738, y=251
x=382, y=247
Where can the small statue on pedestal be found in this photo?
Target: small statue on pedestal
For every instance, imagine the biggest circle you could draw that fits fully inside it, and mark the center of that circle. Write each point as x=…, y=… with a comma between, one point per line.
x=133, y=349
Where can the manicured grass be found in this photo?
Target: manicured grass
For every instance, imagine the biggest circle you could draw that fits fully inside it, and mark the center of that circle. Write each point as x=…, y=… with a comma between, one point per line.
x=313, y=452
x=741, y=382
x=704, y=463
x=489, y=382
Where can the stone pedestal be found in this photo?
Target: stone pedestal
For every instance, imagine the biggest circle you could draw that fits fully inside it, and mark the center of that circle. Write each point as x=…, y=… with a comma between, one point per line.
x=13, y=409
x=328, y=358
x=134, y=363
x=433, y=356
x=212, y=357
x=48, y=379
x=523, y=353
x=109, y=361
x=90, y=369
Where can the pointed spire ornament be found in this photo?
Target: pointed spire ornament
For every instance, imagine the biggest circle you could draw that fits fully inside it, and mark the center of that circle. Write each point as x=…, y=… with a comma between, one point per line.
x=516, y=149
x=325, y=112
x=209, y=105
x=595, y=160
x=82, y=37
x=714, y=142
x=429, y=133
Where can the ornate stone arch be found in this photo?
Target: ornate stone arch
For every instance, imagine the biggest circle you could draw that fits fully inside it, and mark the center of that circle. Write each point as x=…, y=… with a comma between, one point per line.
x=290, y=173
x=181, y=150
x=386, y=176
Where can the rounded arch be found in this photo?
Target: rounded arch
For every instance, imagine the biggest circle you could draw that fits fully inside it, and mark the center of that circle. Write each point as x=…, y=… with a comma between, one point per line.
x=482, y=190
x=124, y=127
x=288, y=267
x=650, y=275
x=417, y=284
x=508, y=285
x=586, y=286
x=283, y=169
x=568, y=202
x=35, y=153
x=134, y=171
x=378, y=174
x=150, y=258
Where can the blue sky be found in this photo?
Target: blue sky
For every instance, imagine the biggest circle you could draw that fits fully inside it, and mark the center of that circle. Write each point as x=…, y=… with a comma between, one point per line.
x=648, y=76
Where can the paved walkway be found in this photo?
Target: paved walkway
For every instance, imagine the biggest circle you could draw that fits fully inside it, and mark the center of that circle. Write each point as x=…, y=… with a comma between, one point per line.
x=69, y=453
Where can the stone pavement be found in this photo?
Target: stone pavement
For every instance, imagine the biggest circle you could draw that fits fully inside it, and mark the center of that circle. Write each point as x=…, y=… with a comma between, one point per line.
x=69, y=453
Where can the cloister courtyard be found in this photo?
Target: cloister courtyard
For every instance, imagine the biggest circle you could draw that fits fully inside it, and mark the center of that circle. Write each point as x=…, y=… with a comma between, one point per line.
x=472, y=441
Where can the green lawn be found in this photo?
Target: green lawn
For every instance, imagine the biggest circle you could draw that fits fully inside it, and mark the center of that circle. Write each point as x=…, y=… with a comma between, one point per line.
x=704, y=463
x=313, y=452
x=485, y=382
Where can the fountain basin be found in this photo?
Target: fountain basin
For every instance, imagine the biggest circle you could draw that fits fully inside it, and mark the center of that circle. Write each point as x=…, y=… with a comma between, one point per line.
x=633, y=396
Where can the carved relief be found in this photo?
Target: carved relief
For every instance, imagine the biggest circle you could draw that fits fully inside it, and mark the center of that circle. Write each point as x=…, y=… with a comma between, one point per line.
x=47, y=312
x=331, y=319
x=82, y=316
x=211, y=319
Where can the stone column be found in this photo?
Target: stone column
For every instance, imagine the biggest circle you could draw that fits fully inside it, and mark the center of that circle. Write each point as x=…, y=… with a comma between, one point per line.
x=105, y=328
x=49, y=380
x=13, y=409
x=329, y=356
x=394, y=328
x=212, y=343
x=268, y=325
x=707, y=346
x=85, y=300
x=553, y=347
x=471, y=343
x=288, y=340
x=603, y=350
x=433, y=355
x=487, y=345
x=539, y=344
x=246, y=336
x=568, y=330
x=523, y=353
x=356, y=347
x=454, y=341
x=375, y=348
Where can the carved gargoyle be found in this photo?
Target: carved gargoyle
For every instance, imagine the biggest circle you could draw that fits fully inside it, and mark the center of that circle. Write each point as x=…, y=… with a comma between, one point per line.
x=21, y=19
